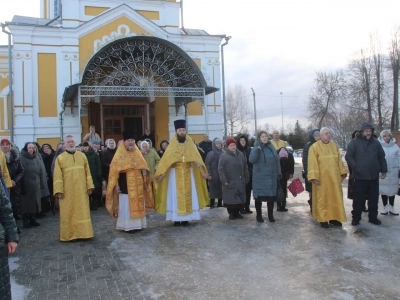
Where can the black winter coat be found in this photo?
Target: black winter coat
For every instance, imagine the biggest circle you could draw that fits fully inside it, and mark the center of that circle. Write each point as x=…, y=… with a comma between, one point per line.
x=106, y=159
x=8, y=233
x=14, y=166
x=366, y=158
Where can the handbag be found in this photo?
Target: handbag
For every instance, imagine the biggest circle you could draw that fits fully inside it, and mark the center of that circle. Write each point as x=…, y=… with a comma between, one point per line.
x=296, y=187
x=280, y=196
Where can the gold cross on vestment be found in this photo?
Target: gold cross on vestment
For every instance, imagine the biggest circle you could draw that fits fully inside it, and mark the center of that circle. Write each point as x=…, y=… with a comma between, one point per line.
x=183, y=158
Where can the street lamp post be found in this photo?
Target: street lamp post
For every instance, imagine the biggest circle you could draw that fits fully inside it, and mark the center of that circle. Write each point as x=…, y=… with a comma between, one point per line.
x=255, y=112
x=282, y=112
x=223, y=85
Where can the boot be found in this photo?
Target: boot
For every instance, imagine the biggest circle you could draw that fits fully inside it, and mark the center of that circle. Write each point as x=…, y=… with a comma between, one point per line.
x=243, y=211
x=25, y=220
x=259, y=212
x=212, y=203
x=310, y=203
x=231, y=215
x=247, y=209
x=219, y=203
x=237, y=214
x=270, y=206
x=33, y=221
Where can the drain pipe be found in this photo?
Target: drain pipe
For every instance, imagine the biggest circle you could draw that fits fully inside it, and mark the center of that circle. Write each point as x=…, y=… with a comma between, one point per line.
x=61, y=124
x=10, y=83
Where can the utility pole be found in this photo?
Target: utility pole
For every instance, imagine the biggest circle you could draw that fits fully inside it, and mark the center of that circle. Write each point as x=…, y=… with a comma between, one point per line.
x=282, y=112
x=255, y=112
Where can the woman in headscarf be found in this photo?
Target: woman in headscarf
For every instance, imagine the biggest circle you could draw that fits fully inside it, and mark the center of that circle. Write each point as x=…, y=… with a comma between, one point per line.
x=234, y=175
x=16, y=172
x=214, y=182
x=389, y=186
x=151, y=157
x=8, y=244
x=266, y=172
x=286, y=160
x=163, y=146
x=313, y=137
x=32, y=185
x=243, y=146
x=60, y=149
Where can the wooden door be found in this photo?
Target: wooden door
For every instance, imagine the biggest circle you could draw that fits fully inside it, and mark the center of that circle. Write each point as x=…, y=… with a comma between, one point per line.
x=94, y=112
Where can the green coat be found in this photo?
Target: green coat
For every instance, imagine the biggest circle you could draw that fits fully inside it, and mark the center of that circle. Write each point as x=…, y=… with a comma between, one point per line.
x=95, y=167
x=152, y=159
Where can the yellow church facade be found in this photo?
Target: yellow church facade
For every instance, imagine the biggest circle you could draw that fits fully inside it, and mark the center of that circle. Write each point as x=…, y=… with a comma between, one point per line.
x=117, y=65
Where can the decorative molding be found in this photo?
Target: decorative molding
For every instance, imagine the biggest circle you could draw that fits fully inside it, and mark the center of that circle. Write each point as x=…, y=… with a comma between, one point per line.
x=124, y=31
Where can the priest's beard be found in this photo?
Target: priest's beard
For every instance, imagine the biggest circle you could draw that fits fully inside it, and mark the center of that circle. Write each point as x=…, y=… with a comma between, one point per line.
x=181, y=139
x=130, y=148
x=71, y=149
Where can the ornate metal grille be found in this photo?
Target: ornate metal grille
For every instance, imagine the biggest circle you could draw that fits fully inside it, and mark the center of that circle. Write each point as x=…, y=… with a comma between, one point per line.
x=137, y=66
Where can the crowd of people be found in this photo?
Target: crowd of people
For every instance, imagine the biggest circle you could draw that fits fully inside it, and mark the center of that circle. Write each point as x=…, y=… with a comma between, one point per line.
x=131, y=178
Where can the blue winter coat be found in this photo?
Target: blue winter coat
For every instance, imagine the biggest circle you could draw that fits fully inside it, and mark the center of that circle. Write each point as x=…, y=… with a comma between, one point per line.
x=266, y=169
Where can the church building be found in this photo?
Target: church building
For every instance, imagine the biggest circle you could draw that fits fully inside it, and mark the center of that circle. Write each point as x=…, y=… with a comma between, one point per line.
x=117, y=65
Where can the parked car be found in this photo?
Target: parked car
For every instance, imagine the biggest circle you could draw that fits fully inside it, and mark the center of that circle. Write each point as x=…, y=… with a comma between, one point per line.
x=288, y=147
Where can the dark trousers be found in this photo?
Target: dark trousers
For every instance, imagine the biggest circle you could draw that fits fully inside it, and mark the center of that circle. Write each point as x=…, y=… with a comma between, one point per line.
x=248, y=193
x=362, y=189
x=283, y=182
x=385, y=200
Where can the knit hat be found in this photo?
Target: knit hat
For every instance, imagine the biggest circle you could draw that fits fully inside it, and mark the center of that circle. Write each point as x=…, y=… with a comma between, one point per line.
x=5, y=141
x=230, y=141
x=283, y=153
x=316, y=133
x=96, y=142
x=366, y=125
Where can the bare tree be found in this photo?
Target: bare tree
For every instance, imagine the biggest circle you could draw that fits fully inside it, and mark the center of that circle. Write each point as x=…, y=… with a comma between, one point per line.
x=328, y=90
x=360, y=82
x=378, y=60
x=238, y=111
x=394, y=65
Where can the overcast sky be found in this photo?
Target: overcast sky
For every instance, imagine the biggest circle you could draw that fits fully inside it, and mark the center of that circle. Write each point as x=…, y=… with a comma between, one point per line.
x=277, y=46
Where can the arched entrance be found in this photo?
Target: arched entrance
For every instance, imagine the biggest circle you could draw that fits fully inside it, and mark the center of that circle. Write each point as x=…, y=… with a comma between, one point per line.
x=129, y=83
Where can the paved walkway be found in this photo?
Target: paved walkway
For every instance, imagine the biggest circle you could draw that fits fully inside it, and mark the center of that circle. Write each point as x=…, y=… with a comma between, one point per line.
x=214, y=258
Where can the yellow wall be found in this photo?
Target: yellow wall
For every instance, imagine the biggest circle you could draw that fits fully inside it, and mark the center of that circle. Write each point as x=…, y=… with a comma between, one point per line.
x=150, y=14
x=195, y=108
x=197, y=138
x=3, y=82
x=87, y=41
x=95, y=10
x=2, y=114
x=198, y=62
x=45, y=9
x=85, y=126
x=161, y=112
x=47, y=84
x=52, y=141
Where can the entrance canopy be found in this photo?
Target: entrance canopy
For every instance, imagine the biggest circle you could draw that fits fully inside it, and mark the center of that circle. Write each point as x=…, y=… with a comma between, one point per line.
x=142, y=67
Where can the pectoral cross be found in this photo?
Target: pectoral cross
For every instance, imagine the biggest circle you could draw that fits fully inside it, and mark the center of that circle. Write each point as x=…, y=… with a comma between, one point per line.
x=183, y=158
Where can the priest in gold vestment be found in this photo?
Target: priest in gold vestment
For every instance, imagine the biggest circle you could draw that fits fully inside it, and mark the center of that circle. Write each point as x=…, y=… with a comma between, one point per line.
x=129, y=195
x=326, y=172
x=181, y=176
x=73, y=184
